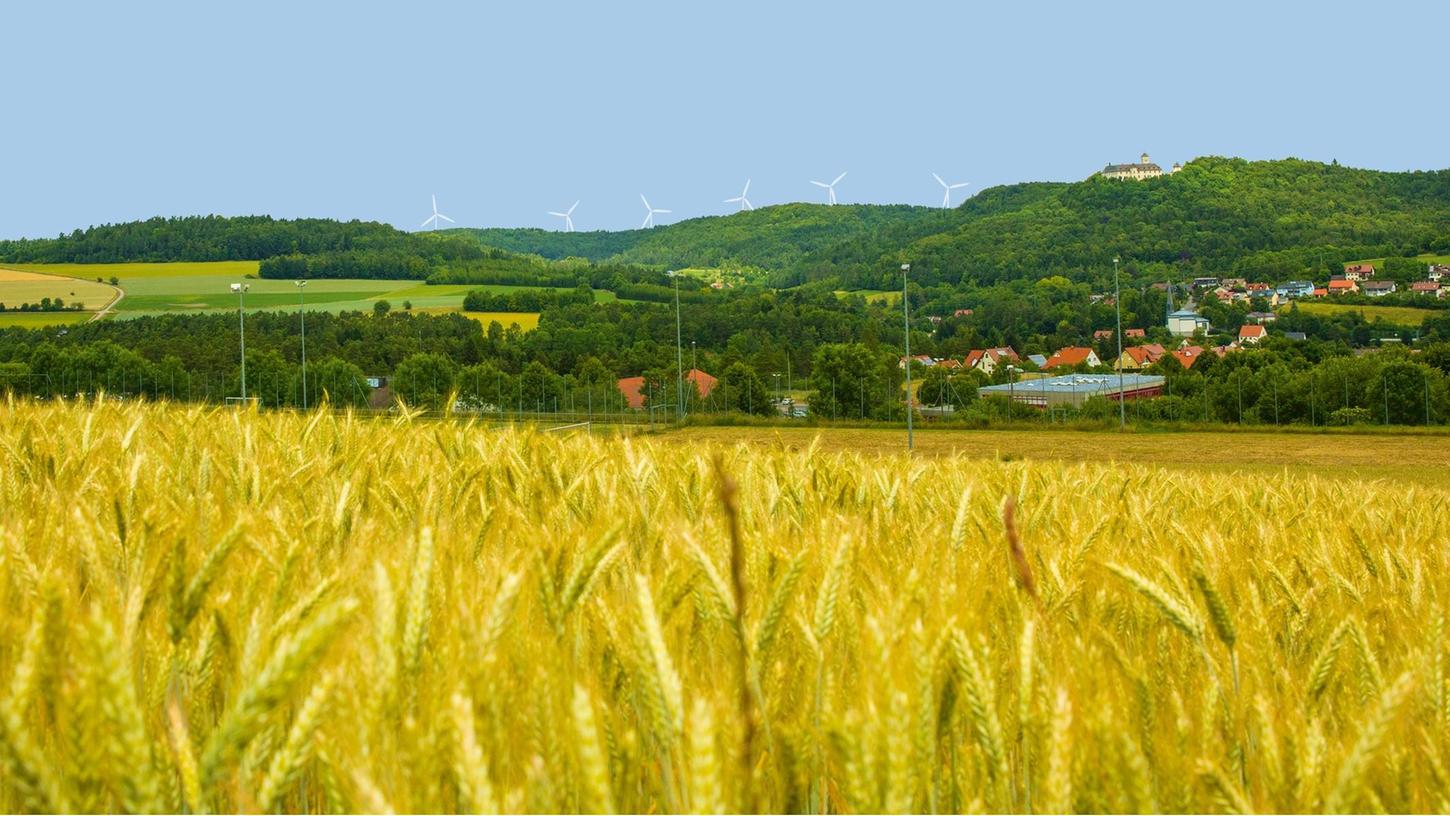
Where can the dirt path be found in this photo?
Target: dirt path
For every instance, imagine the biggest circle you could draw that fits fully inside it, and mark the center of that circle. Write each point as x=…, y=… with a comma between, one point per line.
x=107, y=309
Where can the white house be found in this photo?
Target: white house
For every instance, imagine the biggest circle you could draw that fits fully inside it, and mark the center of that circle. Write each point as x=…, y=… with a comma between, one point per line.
x=1185, y=323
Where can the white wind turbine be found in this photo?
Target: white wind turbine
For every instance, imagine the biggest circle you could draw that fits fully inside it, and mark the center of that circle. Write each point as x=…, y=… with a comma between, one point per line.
x=946, y=199
x=649, y=213
x=830, y=188
x=741, y=199
x=568, y=216
x=433, y=219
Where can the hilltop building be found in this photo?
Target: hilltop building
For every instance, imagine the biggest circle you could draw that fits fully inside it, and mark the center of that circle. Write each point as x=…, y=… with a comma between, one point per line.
x=1144, y=169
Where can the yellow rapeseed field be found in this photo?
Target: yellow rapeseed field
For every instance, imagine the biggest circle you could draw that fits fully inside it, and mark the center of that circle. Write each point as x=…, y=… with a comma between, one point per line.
x=211, y=610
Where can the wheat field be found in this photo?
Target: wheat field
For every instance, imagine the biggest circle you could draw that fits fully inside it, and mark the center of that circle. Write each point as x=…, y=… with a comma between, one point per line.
x=205, y=610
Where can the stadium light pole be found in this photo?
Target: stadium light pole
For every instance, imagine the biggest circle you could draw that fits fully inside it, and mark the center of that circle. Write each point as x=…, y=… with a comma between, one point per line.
x=1122, y=397
x=679, y=353
x=241, y=290
x=906, y=325
x=302, y=316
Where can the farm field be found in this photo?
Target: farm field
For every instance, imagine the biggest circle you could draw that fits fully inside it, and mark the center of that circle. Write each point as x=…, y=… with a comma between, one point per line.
x=24, y=286
x=39, y=320
x=1426, y=258
x=1418, y=458
x=1402, y=315
x=525, y=320
x=205, y=287
x=873, y=295
x=223, y=610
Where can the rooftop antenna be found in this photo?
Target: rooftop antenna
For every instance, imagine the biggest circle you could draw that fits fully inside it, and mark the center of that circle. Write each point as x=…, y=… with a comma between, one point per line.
x=567, y=215
x=830, y=188
x=946, y=199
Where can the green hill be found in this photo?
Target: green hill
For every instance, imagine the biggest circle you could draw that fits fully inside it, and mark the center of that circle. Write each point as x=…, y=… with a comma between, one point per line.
x=782, y=238
x=1220, y=216
x=1269, y=219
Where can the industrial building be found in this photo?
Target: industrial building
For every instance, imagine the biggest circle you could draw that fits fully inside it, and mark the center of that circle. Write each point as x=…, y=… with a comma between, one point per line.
x=1075, y=389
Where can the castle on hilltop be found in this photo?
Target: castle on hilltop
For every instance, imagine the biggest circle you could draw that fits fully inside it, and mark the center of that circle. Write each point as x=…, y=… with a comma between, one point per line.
x=1144, y=169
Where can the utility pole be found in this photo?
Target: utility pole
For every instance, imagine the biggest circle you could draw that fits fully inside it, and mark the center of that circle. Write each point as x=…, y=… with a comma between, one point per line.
x=302, y=316
x=1122, y=397
x=906, y=324
x=679, y=357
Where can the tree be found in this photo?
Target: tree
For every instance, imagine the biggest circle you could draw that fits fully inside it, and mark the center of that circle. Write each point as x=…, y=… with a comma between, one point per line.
x=848, y=380
x=339, y=382
x=381, y=307
x=1397, y=393
x=424, y=380
x=539, y=387
x=485, y=387
x=745, y=391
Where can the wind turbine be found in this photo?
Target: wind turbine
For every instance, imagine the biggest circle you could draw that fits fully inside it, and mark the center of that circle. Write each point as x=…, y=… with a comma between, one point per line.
x=567, y=215
x=649, y=213
x=741, y=199
x=830, y=188
x=433, y=219
x=946, y=199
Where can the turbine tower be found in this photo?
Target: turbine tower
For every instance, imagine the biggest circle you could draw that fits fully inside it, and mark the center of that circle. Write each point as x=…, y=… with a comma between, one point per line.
x=433, y=219
x=741, y=199
x=649, y=213
x=568, y=216
x=830, y=188
x=946, y=199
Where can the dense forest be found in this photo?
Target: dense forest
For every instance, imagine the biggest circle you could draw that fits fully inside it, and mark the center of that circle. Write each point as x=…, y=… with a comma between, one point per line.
x=218, y=238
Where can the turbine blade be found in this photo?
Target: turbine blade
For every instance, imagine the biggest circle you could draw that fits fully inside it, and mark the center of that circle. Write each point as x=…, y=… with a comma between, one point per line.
x=426, y=223
x=732, y=200
x=445, y=218
x=939, y=181
x=838, y=178
x=560, y=215
x=746, y=191
x=645, y=200
x=961, y=184
x=571, y=209
x=821, y=184
x=660, y=211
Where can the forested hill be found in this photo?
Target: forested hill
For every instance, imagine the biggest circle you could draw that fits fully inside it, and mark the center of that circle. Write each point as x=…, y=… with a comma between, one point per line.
x=775, y=238
x=1257, y=220
x=1217, y=216
x=243, y=238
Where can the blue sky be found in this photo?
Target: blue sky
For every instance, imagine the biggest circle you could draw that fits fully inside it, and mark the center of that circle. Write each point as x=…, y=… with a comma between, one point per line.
x=509, y=110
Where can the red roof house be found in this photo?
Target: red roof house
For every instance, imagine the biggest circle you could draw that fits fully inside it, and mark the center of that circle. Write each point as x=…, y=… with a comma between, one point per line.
x=1072, y=356
x=633, y=387
x=1252, y=333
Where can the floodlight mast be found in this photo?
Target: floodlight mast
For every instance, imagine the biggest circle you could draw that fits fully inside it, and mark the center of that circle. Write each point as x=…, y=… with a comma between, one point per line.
x=241, y=291
x=906, y=323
